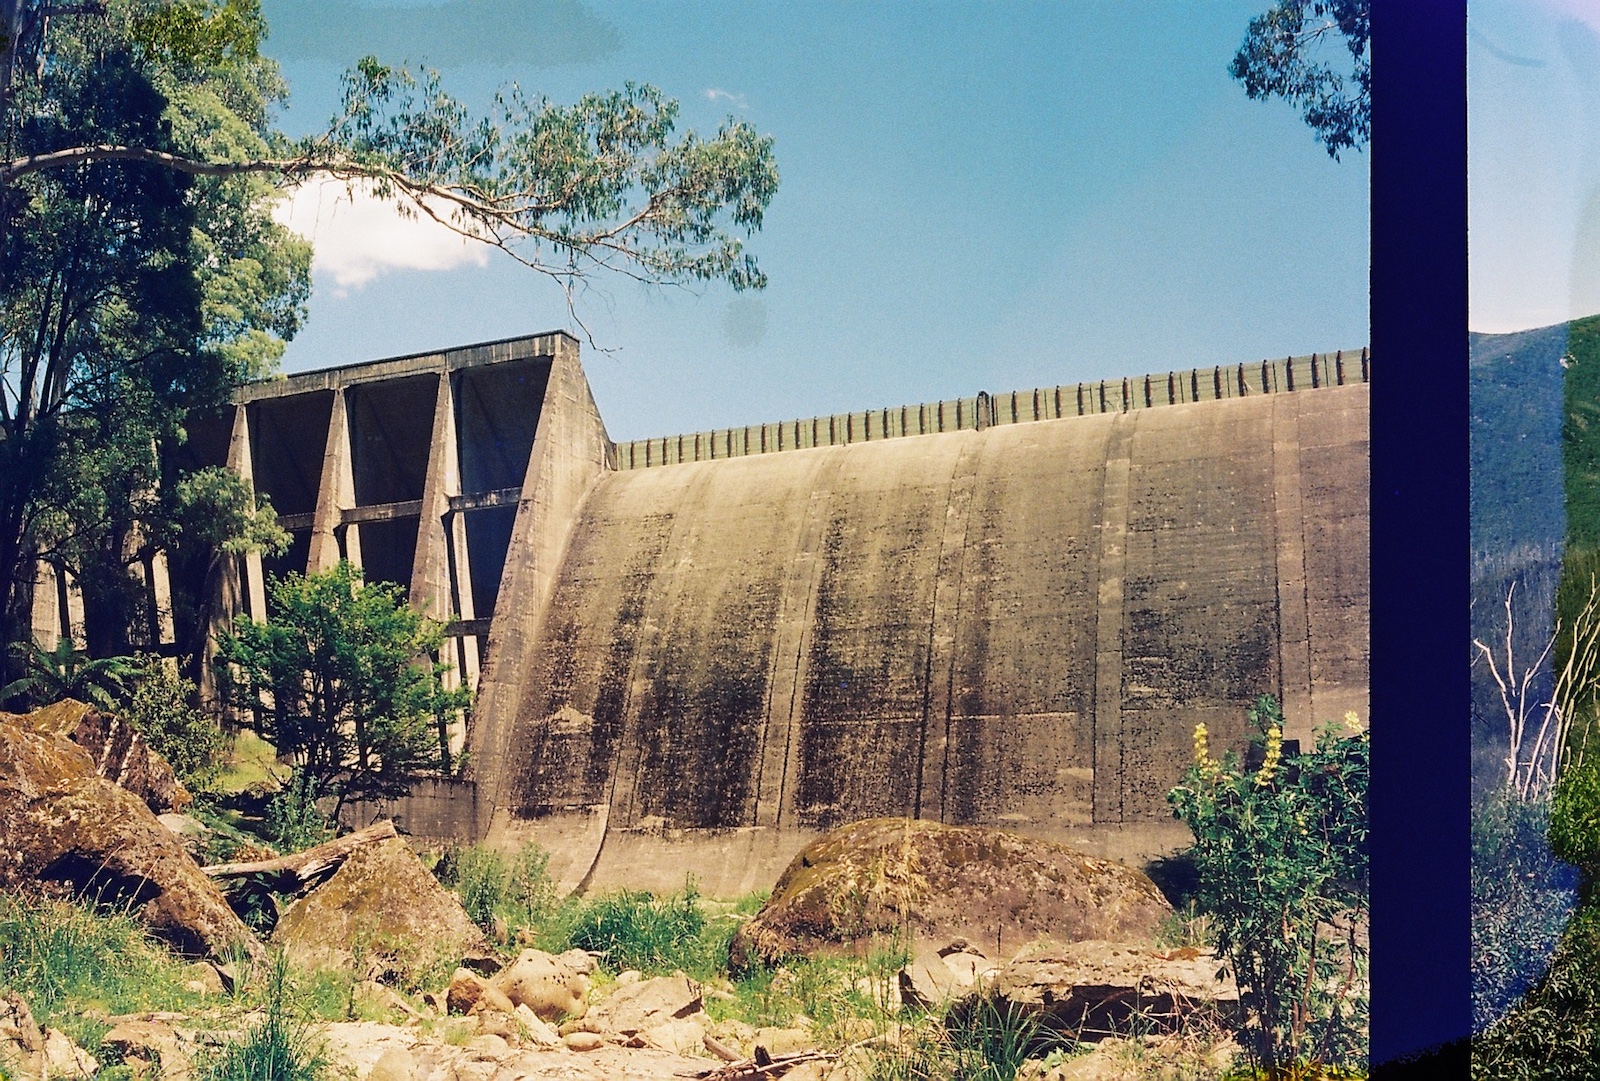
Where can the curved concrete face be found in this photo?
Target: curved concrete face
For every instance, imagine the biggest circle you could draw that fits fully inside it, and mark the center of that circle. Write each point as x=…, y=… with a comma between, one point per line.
x=1014, y=626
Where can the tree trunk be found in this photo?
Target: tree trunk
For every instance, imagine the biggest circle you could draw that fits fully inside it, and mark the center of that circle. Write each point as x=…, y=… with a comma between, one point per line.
x=291, y=874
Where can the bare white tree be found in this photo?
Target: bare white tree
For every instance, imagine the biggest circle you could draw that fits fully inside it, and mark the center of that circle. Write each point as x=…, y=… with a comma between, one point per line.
x=1532, y=765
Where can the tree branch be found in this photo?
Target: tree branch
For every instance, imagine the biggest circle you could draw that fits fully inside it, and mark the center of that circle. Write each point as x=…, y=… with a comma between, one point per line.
x=83, y=155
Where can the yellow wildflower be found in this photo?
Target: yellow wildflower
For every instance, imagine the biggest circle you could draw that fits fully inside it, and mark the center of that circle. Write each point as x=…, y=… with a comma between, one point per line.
x=1352, y=721
x=1269, y=763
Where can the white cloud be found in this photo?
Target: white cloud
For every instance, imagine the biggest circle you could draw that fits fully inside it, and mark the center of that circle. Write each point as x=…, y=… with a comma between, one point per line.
x=717, y=94
x=356, y=237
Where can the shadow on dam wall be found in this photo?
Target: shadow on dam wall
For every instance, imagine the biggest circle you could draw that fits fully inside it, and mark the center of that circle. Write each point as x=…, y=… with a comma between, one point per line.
x=1017, y=626
x=699, y=652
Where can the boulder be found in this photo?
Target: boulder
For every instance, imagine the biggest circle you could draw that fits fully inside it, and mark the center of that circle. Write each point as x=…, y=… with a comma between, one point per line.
x=153, y=1042
x=468, y=991
x=784, y=1041
x=63, y=1058
x=117, y=749
x=385, y=905
x=681, y=1036
x=61, y=821
x=937, y=977
x=191, y=831
x=583, y=1041
x=395, y=1064
x=881, y=876
x=536, y=1032
x=1095, y=988
x=552, y=987
x=203, y=978
x=28, y=1053
x=646, y=1005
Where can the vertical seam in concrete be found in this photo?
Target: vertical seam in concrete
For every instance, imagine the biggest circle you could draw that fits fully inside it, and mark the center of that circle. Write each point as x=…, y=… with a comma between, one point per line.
x=1108, y=783
x=805, y=572
x=1288, y=519
x=941, y=653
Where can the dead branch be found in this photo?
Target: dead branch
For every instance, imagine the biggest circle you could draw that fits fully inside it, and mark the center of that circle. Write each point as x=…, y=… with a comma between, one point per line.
x=291, y=874
x=765, y=1065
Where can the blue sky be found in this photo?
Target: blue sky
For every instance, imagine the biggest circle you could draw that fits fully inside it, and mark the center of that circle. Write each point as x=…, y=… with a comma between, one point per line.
x=974, y=196
x=1533, y=162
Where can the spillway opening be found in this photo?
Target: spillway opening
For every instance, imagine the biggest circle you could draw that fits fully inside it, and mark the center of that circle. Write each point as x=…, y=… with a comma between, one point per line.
x=388, y=550
x=497, y=414
x=288, y=437
x=391, y=430
x=488, y=542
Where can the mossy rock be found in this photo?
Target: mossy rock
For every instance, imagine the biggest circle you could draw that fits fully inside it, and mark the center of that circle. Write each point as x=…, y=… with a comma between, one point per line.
x=382, y=912
x=923, y=881
x=60, y=821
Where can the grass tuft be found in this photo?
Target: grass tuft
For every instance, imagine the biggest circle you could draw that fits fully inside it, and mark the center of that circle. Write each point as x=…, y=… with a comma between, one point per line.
x=634, y=929
x=73, y=963
x=281, y=1048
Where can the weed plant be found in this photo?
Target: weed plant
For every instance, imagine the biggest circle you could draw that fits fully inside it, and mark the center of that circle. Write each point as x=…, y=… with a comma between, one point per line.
x=1522, y=897
x=1281, y=854
x=1552, y=1032
x=988, y=1042
x=517, y=891
x=634, y=929
x=991, y=1041
x=293, y=819
x=827, y=989
x=190, y=740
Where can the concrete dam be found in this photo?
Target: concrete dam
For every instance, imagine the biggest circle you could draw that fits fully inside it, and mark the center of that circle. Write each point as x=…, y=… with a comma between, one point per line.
x=694, y=653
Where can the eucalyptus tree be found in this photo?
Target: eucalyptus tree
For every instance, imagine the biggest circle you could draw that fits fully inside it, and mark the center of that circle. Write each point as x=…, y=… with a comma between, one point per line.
x=142, y=275
x=1315, y=54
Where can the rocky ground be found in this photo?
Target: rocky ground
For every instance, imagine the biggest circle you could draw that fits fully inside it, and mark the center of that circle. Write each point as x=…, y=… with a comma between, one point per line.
x=431, y=996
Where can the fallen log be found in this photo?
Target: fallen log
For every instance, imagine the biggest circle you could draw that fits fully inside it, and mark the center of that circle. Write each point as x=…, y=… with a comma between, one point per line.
x=291, y=874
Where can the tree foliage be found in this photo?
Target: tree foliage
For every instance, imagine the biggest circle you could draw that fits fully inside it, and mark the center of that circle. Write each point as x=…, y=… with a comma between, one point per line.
x=602, y=184
x=1286, y=54
x=1281, y=854
x=340, y=681
x=161, y=708
x=131, y=295
x=142, y=276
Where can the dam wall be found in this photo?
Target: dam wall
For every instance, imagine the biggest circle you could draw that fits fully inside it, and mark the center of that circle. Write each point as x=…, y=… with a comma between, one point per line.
x=1013, y=624
x=694, y=653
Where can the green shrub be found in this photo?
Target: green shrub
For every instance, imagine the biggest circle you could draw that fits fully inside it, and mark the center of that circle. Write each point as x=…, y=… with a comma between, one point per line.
x=1575, y=815
x=1521, y=899
x=280, y=1048
x=1553, y=1031
x=480, y=879
x=991, y=1041
x=159, y=708
x=519, y=890
x=1281, y=858
x=827, y=989
x=293, y=819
